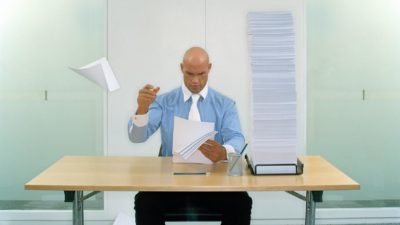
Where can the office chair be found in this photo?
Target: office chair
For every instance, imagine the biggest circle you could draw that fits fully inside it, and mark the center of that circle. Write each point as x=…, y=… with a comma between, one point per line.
x=191, y=213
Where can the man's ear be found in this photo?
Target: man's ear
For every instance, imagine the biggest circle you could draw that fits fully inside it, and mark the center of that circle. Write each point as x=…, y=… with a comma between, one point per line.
x=181, y=67
x=209, y=66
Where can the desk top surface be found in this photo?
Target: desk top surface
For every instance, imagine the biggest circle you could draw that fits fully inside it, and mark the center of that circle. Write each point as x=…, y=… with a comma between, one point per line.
x=112, y=173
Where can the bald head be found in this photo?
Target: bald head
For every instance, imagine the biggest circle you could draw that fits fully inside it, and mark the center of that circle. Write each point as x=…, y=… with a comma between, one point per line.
x=195, y=56
x=195, y=67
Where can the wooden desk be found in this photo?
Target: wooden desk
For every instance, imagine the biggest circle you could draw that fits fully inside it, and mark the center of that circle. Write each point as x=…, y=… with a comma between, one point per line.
x=108, y=173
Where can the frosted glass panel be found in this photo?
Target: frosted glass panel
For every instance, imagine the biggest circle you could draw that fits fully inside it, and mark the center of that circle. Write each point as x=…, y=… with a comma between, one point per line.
x=46, y=110
x=354, y=92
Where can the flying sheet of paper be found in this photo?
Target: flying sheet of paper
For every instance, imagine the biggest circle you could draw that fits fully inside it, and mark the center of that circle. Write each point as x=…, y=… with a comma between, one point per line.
x=99, y=72
x=188, y=136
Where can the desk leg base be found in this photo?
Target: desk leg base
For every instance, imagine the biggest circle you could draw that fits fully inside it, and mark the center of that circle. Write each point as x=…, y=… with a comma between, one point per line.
x=77, y=208
x=311, y=198
x=310, y=208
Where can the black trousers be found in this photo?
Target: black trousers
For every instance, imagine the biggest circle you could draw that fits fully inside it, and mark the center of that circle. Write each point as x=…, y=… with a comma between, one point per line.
x=234, y=206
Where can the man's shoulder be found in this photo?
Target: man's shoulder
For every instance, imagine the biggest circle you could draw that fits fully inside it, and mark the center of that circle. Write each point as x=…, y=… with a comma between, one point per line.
x=170, y=96
x=219, y=97
x=173, y=92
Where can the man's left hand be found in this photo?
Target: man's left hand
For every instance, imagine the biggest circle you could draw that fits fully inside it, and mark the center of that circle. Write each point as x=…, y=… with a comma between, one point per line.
x=213, y=150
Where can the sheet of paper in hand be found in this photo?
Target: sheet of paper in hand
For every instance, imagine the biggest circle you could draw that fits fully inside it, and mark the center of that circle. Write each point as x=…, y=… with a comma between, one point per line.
x=188, y=136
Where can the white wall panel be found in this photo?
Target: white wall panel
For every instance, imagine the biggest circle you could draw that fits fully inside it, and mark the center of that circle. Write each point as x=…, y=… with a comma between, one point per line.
x=146, y=40
x=145, y=45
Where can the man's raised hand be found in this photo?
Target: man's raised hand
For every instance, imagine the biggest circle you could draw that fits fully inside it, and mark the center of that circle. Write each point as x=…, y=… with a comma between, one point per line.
x=146, y=96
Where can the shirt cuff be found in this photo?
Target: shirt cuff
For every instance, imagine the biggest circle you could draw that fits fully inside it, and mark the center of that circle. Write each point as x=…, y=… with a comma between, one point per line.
x=140, y=120
x=229, y=149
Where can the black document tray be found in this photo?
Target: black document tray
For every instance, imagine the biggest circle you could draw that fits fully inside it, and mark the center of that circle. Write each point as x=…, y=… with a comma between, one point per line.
x=299, y=168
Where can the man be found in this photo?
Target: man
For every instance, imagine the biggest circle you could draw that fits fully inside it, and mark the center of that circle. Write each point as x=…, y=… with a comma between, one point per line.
x=155, y=112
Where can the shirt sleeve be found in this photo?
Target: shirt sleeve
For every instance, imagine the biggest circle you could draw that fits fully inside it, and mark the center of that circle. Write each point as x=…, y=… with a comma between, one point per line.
x=141, y=127
x=140, y=120
x=231, y=131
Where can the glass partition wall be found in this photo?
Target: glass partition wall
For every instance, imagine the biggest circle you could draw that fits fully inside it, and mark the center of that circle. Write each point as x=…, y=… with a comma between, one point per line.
x=46, y=110
x=354, y=96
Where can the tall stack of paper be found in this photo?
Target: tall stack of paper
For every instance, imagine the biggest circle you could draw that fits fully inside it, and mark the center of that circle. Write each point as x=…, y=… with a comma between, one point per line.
x=274, y=138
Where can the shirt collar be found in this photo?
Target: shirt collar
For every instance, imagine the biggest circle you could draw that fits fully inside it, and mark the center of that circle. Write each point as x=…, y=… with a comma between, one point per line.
x=187, y=94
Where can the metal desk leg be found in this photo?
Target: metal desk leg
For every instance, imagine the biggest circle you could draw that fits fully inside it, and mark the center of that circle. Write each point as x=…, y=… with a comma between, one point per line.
x=77, y=198
x=310, y=208
x=77, y=208
x=311, y=198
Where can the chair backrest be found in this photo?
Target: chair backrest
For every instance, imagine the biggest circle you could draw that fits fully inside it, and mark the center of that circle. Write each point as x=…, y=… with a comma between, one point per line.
x=192, y=214
x=160, y=151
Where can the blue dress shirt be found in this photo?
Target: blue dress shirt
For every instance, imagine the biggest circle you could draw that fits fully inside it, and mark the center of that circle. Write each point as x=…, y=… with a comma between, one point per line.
x=214, y=107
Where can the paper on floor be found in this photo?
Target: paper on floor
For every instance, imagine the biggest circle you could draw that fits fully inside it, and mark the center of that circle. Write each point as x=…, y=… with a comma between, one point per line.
x=123, y=219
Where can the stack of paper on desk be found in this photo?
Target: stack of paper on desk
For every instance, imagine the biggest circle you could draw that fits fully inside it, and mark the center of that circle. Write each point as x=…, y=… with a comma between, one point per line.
x=99, y=72
x=274, y=118
x=188, y=137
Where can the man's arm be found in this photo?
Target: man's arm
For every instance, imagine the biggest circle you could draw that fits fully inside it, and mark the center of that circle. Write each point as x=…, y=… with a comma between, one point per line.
x=231, y=134
x=231, y=131
x=137, y=128
x=148, y=115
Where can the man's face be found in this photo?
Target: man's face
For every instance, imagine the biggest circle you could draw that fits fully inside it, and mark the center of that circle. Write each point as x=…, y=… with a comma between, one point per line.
x=195, y=76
